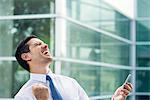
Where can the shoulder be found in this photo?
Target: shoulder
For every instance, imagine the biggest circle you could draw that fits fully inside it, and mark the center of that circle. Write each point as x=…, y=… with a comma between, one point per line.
x=64, y=78
x=71, y=84
x=24, y=92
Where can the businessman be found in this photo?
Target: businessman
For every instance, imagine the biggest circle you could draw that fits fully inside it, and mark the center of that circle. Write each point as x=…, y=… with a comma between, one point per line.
x=34, y=56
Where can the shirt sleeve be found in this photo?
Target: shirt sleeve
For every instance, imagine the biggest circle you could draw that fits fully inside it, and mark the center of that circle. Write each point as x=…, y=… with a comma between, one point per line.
x=82, y=94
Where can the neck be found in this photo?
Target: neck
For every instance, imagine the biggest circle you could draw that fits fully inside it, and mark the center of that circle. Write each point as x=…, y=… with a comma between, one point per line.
x=40, y=69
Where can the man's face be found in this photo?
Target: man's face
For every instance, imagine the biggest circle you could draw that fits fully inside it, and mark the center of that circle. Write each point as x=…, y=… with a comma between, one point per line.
x=39, y=50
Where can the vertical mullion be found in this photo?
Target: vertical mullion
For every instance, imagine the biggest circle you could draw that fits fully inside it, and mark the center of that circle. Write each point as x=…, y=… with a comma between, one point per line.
x=60, y=30
x=133, y=58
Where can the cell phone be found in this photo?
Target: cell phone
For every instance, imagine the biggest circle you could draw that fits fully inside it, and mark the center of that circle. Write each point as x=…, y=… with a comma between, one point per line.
x=127, y=79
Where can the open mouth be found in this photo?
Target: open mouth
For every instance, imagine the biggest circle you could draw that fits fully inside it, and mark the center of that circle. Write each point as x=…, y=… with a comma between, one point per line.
x=46, y=52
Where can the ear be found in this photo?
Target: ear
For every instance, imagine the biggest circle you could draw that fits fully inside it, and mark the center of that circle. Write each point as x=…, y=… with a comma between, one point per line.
x=26, y=56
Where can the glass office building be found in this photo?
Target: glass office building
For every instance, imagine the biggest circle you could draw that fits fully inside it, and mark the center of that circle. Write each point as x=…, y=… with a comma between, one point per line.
x=90, y=40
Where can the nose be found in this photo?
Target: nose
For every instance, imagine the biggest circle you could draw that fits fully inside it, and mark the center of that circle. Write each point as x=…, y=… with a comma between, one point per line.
x=45, y=46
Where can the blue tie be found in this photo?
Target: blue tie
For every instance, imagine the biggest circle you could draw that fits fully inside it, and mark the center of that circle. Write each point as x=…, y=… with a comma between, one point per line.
x=54, y=92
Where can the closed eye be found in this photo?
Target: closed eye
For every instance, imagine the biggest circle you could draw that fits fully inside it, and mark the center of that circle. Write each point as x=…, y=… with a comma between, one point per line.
x=37, y=44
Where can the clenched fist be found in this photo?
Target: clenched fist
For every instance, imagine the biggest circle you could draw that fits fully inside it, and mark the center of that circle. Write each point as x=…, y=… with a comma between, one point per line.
x=40, y=91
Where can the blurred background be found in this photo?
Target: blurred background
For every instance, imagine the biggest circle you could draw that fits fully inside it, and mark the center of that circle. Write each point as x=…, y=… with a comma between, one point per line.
x=97, y=42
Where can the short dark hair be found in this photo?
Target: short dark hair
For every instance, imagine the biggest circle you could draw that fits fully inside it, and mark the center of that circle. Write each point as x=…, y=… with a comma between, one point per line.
x=23, y=47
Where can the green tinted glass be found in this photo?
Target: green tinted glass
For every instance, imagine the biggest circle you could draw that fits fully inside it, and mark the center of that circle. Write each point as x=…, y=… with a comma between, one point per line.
x=96, y=80
x=85, y=44
x=142, y=55
x=23, y=7
x=16, y=30
x=143, y=30
x=12, y=78
x=143, y=97
x=143, y=7
x=142, y=81
x=100, y=15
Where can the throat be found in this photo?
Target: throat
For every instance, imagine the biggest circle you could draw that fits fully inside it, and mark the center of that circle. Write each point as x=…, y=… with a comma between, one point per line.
x=39, y=70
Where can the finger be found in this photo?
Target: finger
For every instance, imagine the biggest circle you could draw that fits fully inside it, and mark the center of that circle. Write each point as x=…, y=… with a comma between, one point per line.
x=128, y=87
x=118, y=90
x=124, y=91
x=123, y=95
x=39, y=85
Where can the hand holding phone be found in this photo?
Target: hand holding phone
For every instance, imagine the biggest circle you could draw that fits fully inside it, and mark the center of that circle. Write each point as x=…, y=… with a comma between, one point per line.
x=122, y=92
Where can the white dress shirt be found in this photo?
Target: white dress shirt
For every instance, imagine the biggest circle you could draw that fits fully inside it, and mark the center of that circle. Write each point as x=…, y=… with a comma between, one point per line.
x=67, y=87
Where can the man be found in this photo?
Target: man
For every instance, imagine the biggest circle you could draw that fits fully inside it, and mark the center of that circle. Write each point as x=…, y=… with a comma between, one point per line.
x=34, y=56
x=40, y=91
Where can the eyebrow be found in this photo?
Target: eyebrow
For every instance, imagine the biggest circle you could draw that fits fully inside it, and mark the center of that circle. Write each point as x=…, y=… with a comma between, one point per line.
x=36, y=42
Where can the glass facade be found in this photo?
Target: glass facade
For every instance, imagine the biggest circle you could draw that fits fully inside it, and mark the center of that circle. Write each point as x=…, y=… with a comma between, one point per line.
x=86, y=44
x=25, y=7
x=142, y=8
x=91, y=42
x=98, y=14
x=143, y=30
x=143, y=48
x=143, y=59
x=96, y=80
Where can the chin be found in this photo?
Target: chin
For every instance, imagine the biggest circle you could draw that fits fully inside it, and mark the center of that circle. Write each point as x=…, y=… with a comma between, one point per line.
x=49, y=59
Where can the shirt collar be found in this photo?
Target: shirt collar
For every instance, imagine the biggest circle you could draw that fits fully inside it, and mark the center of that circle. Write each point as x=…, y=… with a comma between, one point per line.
x=40, y=77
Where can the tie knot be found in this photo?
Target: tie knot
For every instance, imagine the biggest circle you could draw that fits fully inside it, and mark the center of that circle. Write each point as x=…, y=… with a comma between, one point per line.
x=48, y=78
